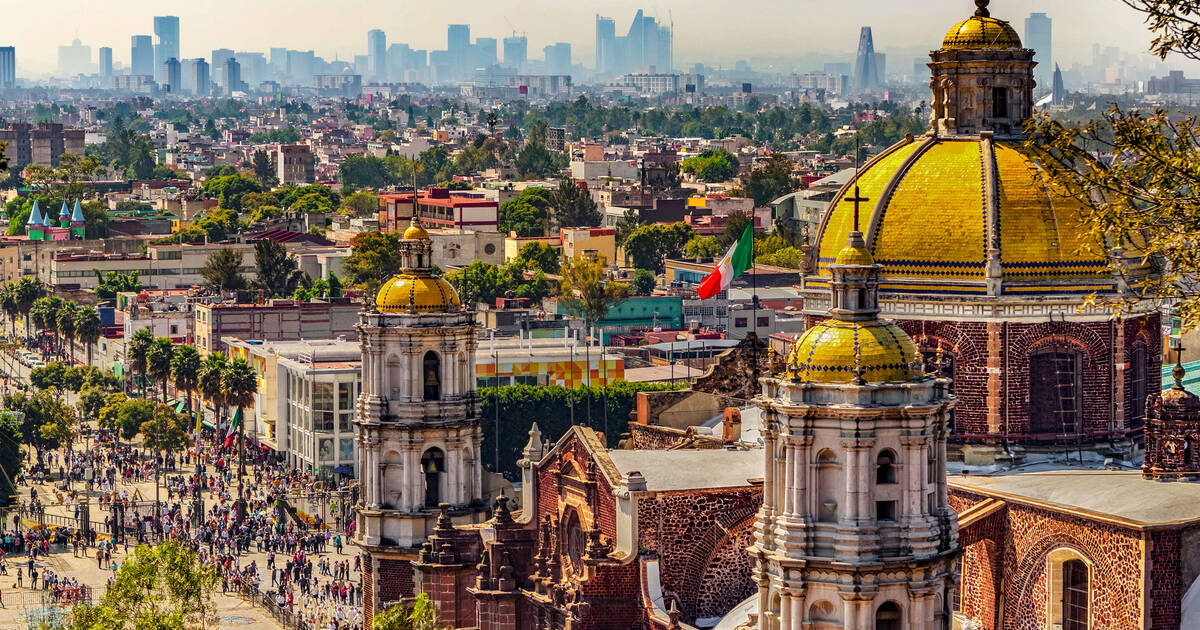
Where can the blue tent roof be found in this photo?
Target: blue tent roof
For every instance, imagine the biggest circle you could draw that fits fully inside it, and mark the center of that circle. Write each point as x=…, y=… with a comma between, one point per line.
x=77, y=215
x=62, y=214
x=35, y=217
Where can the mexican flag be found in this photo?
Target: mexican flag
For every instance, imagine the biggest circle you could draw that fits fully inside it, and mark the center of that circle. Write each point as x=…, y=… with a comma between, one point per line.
x=734, y=263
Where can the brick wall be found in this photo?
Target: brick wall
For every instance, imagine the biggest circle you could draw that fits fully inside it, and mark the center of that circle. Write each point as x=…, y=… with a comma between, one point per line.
x=1166, y=579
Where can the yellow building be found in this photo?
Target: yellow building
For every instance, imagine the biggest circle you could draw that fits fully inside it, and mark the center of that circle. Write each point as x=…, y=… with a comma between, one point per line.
x=514, y=243
x=585, y=242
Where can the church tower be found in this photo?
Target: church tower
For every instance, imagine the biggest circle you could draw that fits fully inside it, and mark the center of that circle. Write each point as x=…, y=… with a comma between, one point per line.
x=417, y=424
x=855, y=531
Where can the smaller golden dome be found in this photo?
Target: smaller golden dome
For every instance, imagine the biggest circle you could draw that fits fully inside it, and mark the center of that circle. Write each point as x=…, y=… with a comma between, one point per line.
x=835, y=351
x=981, y=32
x=851, y=255
x=420, y=294
x=415, y=232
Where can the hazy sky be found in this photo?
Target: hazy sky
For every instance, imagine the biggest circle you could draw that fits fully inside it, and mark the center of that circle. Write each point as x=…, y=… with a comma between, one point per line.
x=712, y=31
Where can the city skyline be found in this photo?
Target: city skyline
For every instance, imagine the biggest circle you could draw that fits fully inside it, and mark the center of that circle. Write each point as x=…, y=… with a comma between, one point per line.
x=896, y=28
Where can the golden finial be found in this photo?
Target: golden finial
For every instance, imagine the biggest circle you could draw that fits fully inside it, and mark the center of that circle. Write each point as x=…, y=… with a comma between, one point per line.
x=981, y=9
x=1178, y=372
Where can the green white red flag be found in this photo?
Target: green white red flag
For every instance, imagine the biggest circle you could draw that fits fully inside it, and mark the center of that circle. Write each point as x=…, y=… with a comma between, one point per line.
x=734, y=263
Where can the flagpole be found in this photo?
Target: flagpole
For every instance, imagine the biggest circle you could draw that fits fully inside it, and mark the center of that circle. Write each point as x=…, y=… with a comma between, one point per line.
x=754, y=298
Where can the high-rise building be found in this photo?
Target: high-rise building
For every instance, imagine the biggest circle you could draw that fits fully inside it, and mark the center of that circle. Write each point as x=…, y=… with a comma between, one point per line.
x=377, y=61
x=216, y=64
x=300, y=66
x=166, y=27
x=279, y=61
x=1059, y=92
x=485, y=52
x=606, y=45
x=253, y=67
x=198, y=77
x=866, y=75
x=8, y=68
x=105, y=62
x=74, y=59
x=1038, y=29
x=233, y=77
x=141, y=56
x=516, y=52
x=880, y=68
x=172, y=77
x=458, y=49
x=558, y=58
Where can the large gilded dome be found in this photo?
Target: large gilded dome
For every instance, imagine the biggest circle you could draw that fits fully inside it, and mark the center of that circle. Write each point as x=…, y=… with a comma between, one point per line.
x=835, y=351
x=981, y=32
x=421, y=294
x=941, y=211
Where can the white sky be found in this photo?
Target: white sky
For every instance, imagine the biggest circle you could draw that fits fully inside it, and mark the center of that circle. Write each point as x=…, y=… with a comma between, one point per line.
x=715, y=32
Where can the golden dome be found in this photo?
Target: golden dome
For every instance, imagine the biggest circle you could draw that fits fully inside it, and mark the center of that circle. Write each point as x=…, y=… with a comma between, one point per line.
x=940, y=208
x=981, y=32
x=415, y=232
x=854, y=256
x=835, y=351
x=423, y=295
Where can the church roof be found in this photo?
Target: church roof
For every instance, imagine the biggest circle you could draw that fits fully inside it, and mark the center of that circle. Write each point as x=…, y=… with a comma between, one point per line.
x=980, y=32
x=35, y=215
x=938, y=208
x=834, y=351
x=1096, y=494
x=77, y=213
x=422, y=294
x=691, y=469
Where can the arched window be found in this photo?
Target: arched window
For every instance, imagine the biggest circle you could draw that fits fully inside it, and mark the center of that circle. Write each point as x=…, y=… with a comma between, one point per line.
x=887, y=616
x=885, y=467
x=573, y=536
x=827, y=487
x=1055, y=385
x=433, y=467
x=1068, y=579
x=432, y=369
x=1137, y=385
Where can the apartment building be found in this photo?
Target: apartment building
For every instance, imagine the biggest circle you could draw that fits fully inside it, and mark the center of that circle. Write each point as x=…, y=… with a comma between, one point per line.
x=274, y=320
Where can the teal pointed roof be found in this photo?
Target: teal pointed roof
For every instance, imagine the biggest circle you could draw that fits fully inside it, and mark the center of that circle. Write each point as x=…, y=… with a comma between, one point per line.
x=77, y=214
x=64, y=213
x=46, y=220
x=35, y=216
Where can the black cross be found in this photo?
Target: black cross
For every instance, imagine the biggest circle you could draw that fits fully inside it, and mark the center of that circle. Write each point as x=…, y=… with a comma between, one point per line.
x=857, y=198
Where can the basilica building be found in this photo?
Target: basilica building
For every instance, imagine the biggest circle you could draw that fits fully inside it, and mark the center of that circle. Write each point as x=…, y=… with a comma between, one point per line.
x=991, y=272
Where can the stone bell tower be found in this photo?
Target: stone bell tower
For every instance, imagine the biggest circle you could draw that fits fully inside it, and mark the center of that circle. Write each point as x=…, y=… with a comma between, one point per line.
x=417, y=424
x=855, y=531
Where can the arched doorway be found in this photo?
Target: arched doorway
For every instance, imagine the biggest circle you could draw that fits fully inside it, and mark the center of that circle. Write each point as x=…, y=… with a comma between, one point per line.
x=887, y=616
x=432, y=370
x=1055, y=387
x=433, y=467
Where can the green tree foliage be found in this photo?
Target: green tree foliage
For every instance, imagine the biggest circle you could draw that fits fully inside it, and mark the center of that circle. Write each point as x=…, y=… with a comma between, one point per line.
x=286, y=135
x=735, y=226
x=208, y=379
x=264, y=173
x=158, y=362
x=136, y=349
x=110, y=283
x=185, y=370
x=418, y=615
x=528, y=213
x=712, y=166
x=574, y=206
x=165, y=430
x=160, y=587
x=360, y=204
x=223, y=270
x=366, y=172
x=702, y=247
x=44, y=408
x=787, y=257
x=550, y=407
x=278, y=272
x=374, y=257
x=586, y=291
x=229, y=190
x=771, y=180
x=311, y=198
x=91, y=401
x=126, y=415
x=11, y=458
x=49, y=376
x=630, y=221
x=537, y=256
x=128, y=150
x=480, y=282
x=643, y=282
x=648, y=245
x=535, y=161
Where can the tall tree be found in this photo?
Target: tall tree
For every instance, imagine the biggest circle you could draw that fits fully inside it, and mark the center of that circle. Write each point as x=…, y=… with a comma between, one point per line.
x=771, y=181
x=574, y=206
x=88, y=328
x=264, y=173
x=65, y=321
x=185, y=370
x=10, y=305
x=587, y=292
x=158, y=362
x=29, y=290
x=135, y=352
x=239, y=384
x=208, y=382
x=165, y=431
x=223, y=270
x=374, y=257
x=278, y=272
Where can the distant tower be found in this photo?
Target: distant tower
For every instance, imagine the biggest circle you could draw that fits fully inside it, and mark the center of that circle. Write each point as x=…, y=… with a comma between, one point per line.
x=78, y=223
x=141, y=55
x=855, y=528
x=64, y=217
x=166, y=27
x=1038, y=29
x=1060, y=93
x=106, y=63
x=865, y=71
x=377, y=56
x=33, y=226
x=8, y=68
x=417, y=424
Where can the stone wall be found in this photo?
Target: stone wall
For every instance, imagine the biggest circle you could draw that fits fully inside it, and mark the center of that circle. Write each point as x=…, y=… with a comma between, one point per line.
x=653, y=438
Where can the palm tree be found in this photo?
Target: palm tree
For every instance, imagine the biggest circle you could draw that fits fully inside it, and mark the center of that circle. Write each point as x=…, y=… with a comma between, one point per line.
x=208, y=382
x=158, y=362
x=29, y=290
x=8, y=303
x=185, y=370
x=44, y=313
x=135, y=351
x=239, y=384
x=87, y=328
x=65, y=323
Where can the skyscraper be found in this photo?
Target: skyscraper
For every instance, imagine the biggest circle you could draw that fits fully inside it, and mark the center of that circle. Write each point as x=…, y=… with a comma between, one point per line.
x=105, y=62
x=8, y=68
x=866, y=74
x=377, y=56
x=458, y=49
x=1059, y=92
x=647, y=45
x=516, y=52
x=74, y=59
x=606, y=45
x=485, y=52
x=233, y=77
x=558, y=58
x=172, y=78
x=1038, y=29
x=200, y=80
x=141, y=58
x=166, y=27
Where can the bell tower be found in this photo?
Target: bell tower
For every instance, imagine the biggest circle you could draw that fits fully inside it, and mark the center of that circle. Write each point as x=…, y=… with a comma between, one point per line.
x=982, y=78
x=417, y=422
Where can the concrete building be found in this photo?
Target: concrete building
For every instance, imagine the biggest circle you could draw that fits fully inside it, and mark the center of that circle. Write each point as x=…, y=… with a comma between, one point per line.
x=566, y=361
x=589, y=242
x=347, y=85
x=160, y=267
x=165, y=313
x=516, y=53
x=459, y=248
x=276, y=320
x=141, y=55
x=438, y=207
x=106, y=63
x=540, y=85
x=42, y=144
x=172, y=76
x=201, y=77
x=295, y=164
